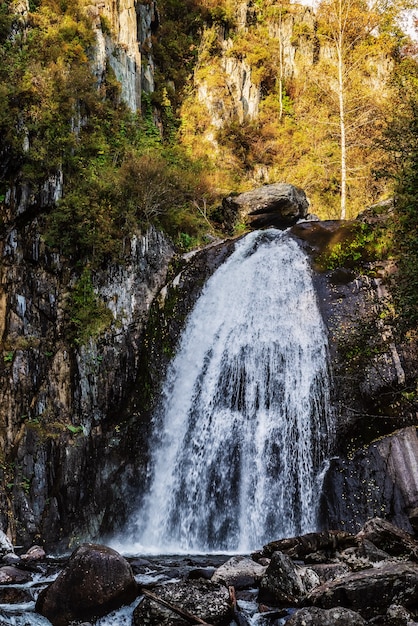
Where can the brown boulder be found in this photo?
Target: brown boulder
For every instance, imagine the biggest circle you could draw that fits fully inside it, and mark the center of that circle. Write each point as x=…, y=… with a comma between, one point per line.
x=370, y=592
x=95, y=581
x=35, y=553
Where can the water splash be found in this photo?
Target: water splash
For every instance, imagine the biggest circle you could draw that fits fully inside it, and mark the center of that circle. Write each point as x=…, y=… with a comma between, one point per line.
x=243, y=424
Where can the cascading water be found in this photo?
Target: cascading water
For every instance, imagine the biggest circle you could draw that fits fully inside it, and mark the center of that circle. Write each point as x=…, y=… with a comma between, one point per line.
x=243, y=425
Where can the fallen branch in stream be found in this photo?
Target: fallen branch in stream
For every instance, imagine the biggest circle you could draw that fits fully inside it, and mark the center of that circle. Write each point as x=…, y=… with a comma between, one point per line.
x=193, y=619
x=240, y=619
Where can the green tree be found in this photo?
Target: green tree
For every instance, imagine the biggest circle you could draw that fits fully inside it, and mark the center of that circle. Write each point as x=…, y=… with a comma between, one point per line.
x=359, y=36
x=401, y=143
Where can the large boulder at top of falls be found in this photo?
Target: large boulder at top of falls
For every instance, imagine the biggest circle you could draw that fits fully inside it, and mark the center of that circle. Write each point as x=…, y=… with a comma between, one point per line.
x=95, y=581
x=279, y=205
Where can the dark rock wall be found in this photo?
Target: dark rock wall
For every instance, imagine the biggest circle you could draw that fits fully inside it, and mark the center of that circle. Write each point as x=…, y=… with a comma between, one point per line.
x=67, y=448
x=375, y=468
x=379, y=479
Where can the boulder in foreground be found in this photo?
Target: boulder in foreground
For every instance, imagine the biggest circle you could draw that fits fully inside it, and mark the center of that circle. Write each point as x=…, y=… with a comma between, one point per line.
x=239, y=571
x=95, y=581
x=282, y=585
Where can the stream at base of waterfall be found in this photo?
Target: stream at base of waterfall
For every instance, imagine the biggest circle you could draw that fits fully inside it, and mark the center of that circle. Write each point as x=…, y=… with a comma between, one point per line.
x=17, y=601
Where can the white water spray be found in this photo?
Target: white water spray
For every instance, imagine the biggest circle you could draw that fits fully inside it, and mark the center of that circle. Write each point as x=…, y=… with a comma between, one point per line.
x=243, y=425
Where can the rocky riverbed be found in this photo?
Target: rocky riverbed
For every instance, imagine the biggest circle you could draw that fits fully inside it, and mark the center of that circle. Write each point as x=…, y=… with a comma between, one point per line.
x=324, y=578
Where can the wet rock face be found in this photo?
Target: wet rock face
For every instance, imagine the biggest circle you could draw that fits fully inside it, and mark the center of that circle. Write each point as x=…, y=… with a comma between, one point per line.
x=68, y=449
x=369, y=367
x=380, y=479
x=95, y=581
x=371, y=372
x=167, y=316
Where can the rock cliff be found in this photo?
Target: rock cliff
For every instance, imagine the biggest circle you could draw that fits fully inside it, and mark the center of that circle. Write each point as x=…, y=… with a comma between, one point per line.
x=76, y=416
x=123, y=40
x=62, y=403
x=374, y=471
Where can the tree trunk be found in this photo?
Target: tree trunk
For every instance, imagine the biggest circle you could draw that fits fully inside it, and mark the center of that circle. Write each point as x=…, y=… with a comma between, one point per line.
x=343, y=147
x=280, y=65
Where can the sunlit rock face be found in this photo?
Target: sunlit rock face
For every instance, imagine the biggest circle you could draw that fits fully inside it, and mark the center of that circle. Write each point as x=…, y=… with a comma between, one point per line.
x=237, y=93
x=123, y=40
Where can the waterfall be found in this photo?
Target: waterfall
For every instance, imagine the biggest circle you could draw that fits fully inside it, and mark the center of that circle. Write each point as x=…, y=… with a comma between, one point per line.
x=243, y=425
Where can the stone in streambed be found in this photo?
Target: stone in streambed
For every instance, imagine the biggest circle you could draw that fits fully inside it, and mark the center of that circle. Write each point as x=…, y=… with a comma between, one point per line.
x=240, y=572
x=201, y=572
x=95, y=581
x=13, y=595
x=281, y=584
x=204, y=599
x=35, y=553
x=312, y=616
x=10, y=575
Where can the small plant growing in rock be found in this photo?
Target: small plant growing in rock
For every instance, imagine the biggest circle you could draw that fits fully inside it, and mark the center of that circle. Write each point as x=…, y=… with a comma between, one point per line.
x=8, y=356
